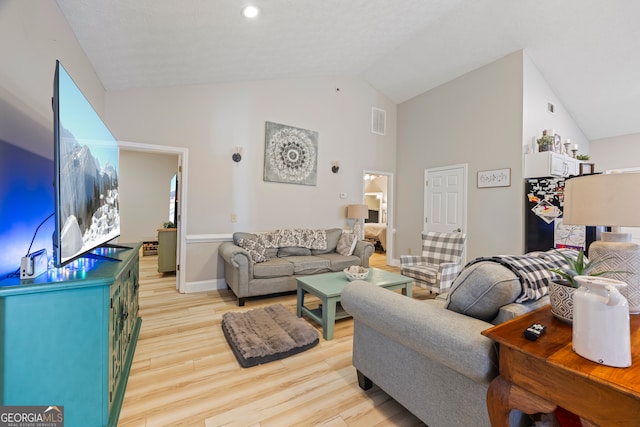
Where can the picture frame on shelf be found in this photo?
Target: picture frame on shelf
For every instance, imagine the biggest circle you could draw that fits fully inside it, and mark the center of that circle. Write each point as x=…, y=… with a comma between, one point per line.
x=557, y=144
x=587, y=168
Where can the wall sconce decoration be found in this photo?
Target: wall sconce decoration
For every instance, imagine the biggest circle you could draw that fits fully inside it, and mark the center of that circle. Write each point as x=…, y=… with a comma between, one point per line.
x=237, y=156
x=335, y=166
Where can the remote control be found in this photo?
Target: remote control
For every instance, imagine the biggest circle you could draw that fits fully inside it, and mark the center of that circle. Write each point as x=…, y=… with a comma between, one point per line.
x=534, y=331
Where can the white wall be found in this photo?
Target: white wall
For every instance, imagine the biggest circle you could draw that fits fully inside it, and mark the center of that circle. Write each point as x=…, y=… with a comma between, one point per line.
x=33, y=37
x=210, y=120
x=536, y=117
x=144, y=180
x=484, y=118
x=474, y=119
x=618, y=152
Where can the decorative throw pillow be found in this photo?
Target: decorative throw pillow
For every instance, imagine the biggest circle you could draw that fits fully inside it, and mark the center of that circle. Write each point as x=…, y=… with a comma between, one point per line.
x=243, y=235
x=332, y=236
x=346, y=244
x=255, y=248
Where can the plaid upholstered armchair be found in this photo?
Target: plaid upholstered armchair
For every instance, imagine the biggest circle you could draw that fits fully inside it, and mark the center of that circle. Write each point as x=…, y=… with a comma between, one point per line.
x=440, y=263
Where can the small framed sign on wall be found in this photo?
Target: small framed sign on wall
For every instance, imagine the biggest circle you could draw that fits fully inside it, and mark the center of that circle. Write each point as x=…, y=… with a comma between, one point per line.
x=494, y=178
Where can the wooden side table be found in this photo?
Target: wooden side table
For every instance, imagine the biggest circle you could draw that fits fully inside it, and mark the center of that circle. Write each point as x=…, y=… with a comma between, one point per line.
x=537, y=376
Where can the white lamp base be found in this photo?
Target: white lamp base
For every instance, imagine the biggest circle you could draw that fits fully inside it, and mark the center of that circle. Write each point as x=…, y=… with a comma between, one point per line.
x=623, y=255
x=358, y=230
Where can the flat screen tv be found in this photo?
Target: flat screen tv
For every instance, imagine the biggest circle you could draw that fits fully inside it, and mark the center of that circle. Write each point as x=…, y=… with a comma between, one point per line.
x=85, y=174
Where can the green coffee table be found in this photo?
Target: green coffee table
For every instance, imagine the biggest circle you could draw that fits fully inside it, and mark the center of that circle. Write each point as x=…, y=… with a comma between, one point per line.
x=328, y=287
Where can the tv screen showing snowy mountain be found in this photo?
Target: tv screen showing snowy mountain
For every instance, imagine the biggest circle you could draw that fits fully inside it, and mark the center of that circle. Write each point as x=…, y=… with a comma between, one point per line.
x=86, y=162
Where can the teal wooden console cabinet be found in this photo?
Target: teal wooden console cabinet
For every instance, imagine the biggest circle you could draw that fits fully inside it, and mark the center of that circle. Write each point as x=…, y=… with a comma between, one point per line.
x=67, y=338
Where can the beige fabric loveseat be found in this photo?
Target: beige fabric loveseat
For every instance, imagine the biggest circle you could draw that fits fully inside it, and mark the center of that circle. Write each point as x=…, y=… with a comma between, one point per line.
x=257, y=264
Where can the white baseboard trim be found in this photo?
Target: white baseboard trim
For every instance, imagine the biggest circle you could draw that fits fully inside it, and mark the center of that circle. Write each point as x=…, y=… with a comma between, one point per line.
x=205, y=286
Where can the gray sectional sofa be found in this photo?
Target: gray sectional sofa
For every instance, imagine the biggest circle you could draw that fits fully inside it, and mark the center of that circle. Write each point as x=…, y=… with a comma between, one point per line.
x=257, y=264
x=430, y=355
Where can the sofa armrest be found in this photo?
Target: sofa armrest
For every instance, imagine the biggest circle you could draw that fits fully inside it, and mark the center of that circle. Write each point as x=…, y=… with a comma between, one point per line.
x=363, y=250
x=515, y=309
x=234, y=254
x=449, y=338
x=238, y=267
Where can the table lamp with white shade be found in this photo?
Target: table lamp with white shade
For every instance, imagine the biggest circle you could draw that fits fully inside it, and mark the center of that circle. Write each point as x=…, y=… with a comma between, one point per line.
x=358, y=213
x=611, y=200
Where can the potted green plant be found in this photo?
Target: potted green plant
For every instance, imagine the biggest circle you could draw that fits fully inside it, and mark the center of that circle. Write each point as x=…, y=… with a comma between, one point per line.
x=561, y=290
x=545, y=142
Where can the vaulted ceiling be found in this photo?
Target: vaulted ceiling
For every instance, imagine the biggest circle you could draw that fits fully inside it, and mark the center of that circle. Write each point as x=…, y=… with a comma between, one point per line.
x=587, y=50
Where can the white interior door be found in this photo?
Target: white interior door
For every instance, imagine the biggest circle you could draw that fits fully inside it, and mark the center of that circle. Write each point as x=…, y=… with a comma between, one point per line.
x=445, y=199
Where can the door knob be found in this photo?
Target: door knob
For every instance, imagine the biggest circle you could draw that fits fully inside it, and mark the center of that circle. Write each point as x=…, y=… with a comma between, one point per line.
x=457, y=230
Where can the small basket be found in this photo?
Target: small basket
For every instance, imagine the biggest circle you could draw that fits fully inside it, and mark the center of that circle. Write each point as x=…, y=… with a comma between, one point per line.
x=356, y=276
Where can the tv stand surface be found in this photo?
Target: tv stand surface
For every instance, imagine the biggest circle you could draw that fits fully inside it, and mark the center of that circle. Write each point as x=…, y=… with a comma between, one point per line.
x=115, y=246
x=91, y=255
x=68, y=339
x=102, y=257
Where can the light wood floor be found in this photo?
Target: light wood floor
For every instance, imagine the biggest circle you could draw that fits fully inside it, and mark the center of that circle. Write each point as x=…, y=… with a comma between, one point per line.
x=184, y=373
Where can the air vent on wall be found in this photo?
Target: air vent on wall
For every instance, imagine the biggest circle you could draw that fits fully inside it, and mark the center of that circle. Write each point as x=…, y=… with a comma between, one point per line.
x=378, y=121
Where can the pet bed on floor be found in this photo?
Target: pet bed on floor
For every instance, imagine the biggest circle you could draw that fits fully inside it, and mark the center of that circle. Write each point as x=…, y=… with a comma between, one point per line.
x=266, y=334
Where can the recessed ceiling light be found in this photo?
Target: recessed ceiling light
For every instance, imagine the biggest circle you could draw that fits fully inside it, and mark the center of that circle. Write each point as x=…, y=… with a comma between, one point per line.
x=250, y=12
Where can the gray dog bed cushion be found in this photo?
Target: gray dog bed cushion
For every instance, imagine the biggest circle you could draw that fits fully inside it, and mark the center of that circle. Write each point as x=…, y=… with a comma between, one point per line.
x=266, y=334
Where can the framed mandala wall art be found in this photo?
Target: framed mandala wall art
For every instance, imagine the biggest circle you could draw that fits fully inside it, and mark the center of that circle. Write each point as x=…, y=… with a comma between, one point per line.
x=290, y=154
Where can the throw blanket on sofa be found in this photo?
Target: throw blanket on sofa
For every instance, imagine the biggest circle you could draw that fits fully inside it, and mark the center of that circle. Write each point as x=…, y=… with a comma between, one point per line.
x=298, y=237
x=533, y=270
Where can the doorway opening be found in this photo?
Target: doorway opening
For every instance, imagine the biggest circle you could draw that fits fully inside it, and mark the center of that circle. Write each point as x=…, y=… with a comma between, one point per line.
x=180, y=204
x=377, y=194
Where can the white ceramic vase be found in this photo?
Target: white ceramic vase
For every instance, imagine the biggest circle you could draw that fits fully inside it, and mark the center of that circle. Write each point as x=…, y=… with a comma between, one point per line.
x=601, y=330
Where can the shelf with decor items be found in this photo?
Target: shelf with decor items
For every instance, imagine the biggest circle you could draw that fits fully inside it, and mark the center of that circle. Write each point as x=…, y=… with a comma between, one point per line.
x=548, y=163
x=67, y=337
